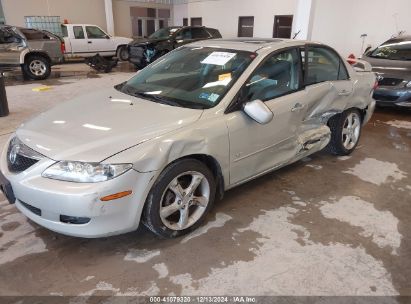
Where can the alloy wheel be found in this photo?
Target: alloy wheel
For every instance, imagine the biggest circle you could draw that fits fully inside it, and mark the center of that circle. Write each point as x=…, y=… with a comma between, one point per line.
x=37, y=68
x=351, y=130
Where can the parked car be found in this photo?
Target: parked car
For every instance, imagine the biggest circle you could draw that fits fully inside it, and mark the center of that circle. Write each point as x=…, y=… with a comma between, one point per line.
x=144, y=51
x=34, y=50
x=87, y=40
x=161, y=146
x=392, y=62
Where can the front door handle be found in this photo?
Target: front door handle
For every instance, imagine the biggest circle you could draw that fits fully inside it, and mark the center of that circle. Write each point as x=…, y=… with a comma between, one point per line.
x=298, y=106
x=89, y=41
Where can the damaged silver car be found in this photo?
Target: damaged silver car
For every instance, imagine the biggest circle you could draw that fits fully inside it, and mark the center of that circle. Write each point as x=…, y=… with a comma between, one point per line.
x=160, y=147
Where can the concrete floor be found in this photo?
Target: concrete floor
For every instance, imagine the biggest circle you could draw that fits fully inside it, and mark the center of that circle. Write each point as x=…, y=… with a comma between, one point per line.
x=323, y=226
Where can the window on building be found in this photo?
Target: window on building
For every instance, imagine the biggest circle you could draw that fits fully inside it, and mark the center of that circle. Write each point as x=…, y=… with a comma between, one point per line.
x=185, y=21
x=282, y=26
x=196, y=21
x=245, y=26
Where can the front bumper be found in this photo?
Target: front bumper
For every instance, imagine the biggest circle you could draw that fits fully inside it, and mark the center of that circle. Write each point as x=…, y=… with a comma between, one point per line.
x=136, y=54
x=393, y=96
x=54, y=204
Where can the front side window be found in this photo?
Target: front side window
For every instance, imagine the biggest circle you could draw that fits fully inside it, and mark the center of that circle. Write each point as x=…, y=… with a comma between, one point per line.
x=393, y=51
x=322, y=65
x=199, y=33
x=189, y=77
x=277, y=76
x=93, y=32
x=78, y=32
x=184, y=34
x=162, y=33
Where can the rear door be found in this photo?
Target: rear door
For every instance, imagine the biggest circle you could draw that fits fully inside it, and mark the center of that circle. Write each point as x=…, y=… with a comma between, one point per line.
x=327, y=81
x=99, y=42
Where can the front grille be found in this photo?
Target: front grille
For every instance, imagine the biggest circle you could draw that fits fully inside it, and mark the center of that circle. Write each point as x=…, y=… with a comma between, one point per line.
x=136, y=51
x=381, y=97
x=32, y=208
x=389, y=82
x=20, y=157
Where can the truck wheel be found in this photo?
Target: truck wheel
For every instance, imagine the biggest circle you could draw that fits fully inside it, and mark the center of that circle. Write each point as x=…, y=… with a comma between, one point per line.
x=37, y=67
x=122, y=53
x=345, y=132
x=180, y=199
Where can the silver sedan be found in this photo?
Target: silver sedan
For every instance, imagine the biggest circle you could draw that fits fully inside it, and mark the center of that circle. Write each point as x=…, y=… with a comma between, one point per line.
x=162, y=146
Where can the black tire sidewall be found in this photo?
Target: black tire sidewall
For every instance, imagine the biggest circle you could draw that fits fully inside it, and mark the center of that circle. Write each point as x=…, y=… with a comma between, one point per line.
x=151, y=213
x=29, y=74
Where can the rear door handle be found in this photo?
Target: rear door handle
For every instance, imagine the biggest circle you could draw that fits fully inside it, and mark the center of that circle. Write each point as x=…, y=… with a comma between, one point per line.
x=89, y=41
x=298, y=106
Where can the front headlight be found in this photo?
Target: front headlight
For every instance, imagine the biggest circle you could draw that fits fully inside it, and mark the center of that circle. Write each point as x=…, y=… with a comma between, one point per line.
x=80, y=172
x=408, y=84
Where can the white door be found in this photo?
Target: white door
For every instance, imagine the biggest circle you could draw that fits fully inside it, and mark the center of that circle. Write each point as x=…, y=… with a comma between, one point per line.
x=256, y=148
x=78, y=42
x=99, y=42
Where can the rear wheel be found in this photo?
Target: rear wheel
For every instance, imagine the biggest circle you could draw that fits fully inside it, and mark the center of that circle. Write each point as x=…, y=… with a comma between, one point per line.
x=345, y=132
x=180, y=199
x=37, y=67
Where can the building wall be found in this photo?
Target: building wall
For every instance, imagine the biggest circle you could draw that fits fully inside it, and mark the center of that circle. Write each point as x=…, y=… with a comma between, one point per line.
x=223, y=14
x=180, y=11
x=341, y=23
x=122, y=19
x=76, y=11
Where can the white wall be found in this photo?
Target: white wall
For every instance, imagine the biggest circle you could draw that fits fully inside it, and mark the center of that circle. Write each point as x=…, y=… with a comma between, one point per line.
x=341, y=23
x=76, y=11
x=180, y=11
x=223, y=14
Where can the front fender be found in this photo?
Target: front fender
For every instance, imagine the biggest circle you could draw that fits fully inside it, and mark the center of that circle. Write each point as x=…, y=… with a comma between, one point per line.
x=208, y=137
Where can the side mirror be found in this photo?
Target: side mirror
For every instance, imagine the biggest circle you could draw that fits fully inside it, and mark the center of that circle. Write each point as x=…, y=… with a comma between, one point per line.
x=258, y=111
x=108, y=37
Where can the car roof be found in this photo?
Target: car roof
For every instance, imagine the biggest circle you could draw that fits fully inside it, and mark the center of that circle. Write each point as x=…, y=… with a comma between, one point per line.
x=251, y=44
x=398, y=39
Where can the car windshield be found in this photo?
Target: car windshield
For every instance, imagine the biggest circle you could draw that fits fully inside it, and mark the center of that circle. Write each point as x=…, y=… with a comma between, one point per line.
x=393, y=51
x=192, y=77
x=162, y=33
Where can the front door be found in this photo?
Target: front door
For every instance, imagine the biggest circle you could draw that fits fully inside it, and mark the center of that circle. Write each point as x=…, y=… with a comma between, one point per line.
x=257, y=148
x=99, y=42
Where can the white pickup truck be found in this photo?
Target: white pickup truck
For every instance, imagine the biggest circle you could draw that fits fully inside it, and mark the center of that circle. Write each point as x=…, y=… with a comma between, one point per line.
x=86, y=40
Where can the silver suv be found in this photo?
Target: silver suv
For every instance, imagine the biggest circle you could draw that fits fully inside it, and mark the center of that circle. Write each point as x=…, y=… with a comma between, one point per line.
x=34, y=50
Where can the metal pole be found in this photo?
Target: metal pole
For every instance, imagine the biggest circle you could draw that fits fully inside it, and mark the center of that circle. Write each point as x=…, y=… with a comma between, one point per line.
x=4, y=106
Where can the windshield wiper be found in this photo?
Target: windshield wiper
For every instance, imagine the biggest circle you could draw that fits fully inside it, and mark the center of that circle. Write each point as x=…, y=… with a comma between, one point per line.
x=157, y=98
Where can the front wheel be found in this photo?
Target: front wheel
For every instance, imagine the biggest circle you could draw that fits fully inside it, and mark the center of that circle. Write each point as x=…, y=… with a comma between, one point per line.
x=345, y=132
x=180, y=199
x=37, y=67
x=122, y=53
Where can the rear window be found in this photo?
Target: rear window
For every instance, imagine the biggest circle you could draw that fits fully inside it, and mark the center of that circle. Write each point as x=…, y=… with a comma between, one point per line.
x=32, y=34
x=393, y=51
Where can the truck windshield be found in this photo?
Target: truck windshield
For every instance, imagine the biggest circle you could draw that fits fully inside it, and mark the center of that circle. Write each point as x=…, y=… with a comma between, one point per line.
x=192, y=77
x=393, y=51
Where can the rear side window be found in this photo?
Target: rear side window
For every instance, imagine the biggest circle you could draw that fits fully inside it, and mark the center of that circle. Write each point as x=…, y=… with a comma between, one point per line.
x=323, y=64
x=393, y=51
x=214, y=33
x=199, y=33
x=78, y=32
x=64, y=31
x=184, y=34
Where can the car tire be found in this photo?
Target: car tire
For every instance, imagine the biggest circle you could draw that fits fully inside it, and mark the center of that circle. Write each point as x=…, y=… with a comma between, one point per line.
x=345, y=132
x=37, y=67
x=172, y=209
x=122, y=53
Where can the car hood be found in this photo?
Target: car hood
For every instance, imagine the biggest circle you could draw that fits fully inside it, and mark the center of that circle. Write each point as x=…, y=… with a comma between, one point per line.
x=390, y=68
x=94, y=127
